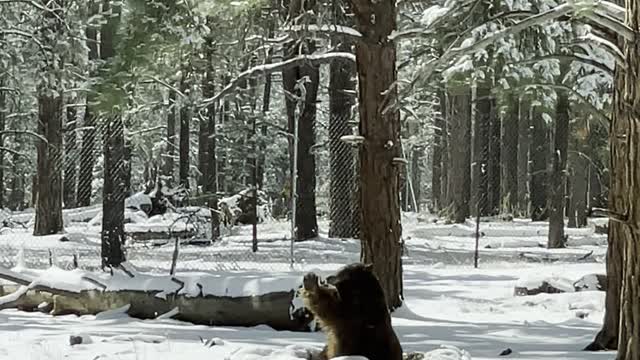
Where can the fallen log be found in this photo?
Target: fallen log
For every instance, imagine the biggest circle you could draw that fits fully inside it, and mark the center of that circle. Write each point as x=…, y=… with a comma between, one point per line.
x=273, y=309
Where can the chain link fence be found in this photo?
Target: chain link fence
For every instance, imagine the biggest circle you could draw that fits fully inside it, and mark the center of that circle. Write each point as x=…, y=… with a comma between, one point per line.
x=169, y=207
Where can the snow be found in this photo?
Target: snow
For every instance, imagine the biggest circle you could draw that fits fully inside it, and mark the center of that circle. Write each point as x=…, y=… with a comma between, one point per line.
x=451, y=311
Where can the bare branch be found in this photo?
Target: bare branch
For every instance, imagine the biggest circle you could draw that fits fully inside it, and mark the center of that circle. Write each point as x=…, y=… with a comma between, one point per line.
x=332, y=29
x=278, y=66
x=167, y=85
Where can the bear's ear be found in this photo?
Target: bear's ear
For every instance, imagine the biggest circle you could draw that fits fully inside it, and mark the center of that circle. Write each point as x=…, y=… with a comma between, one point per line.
x=368, y=267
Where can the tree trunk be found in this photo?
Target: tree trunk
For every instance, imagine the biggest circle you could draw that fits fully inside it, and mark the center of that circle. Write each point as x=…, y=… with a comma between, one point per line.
x=342, y=161
x=509, y=156
x=211, y=182
x=113, y=193
x=539, y=161
x=3, y=116
x=493, y=164
x=557, y=177
x=169, y=163
x=579, y=189
x=203, y=150
x=481, y=137
x=70, y=159
x=416, y=177
x=524, y=143
x=87, y=155
x=460, y=154
x=379, y=201
x=49, y=167
x=436, y=163
x=305, y=221
x=185, y=119
x=444, y=171
x=571, y=201
x=625, y=170
x=114, y=152
x=16, y=198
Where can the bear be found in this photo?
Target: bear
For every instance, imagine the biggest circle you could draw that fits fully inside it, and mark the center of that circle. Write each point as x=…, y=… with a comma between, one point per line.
x=352, y=310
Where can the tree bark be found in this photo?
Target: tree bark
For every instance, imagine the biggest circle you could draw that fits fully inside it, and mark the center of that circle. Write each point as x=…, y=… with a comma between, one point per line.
x=3, y=116
x=87, y=155
x=211, y=183
x=116, y=170
x=557, y=176
x=625, y=129
x=539, y=162
x=509, y=155
x=493, y=165
x=460, y=154
x=342, y=161
x=70, y=159
x=306, y=223
x=524, y=143
x=444, y=171
x=379, y=201
x=49, y=168
x=580, y=191
x=185, y=119
x=481, y=138
x=436, y=163
x=417, y=157
x=170, y=148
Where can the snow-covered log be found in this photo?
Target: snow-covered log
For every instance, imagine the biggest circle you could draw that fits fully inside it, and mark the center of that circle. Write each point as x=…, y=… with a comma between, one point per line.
x=273, y=308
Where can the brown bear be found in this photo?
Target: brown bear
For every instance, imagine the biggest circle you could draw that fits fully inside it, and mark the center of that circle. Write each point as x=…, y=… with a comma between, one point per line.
x=352, y=310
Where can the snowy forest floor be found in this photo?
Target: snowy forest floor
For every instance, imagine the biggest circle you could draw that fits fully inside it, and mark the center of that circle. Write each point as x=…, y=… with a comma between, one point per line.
x=448, y=302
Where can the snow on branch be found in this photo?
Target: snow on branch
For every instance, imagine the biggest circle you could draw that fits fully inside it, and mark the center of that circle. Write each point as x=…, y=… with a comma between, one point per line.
x=573, y=57
x=597, y=112
x=333, y=29
x=612, y=24
x=608, y=45
x=611, y=9
x=278, y=66
x=456, y=51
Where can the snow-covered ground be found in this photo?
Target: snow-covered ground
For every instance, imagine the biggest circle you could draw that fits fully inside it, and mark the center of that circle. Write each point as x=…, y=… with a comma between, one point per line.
x=448, y=302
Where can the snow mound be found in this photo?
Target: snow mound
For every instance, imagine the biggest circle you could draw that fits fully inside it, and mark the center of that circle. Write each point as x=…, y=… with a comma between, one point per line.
x=447, y=352
x=533, y=281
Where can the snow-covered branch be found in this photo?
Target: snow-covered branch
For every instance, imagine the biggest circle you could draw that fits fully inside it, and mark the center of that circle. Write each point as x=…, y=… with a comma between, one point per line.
x=456, y=51
x=594, y=110
x=24, y=132
x=573, y=57
x=613, y=49
x=332, y=29
x=614, y=25
x=315, y=59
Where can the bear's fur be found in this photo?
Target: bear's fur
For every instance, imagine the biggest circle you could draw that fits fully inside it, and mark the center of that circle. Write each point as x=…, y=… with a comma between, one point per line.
x=353, y=312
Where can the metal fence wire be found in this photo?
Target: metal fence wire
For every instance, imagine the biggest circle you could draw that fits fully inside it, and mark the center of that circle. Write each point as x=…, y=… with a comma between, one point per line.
x=165, y=164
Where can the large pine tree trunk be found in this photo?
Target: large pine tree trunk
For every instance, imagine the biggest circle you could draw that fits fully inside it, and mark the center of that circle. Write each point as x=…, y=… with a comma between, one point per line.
x=211, y=182
x=557, y=176
x=625, y=130
x=580, y=191
x=539, y=162
x=113, y=193
x=509, y=155
x=306, y=223
x=87, y=155
x=185, y=120
x=460, y=153
x=49, y=166
x=342, y=167
x=70, y=158
x=379, y=201
x=524, y=143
